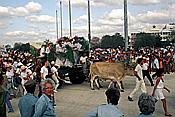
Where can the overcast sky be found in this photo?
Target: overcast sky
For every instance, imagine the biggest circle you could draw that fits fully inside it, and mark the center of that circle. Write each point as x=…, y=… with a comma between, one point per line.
x=34, y=20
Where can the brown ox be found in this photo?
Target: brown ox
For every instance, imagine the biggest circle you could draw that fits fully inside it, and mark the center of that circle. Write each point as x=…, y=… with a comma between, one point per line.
x=114, y=72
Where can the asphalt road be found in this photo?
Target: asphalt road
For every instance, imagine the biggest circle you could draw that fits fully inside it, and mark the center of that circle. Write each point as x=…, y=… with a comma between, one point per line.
x=77, y=100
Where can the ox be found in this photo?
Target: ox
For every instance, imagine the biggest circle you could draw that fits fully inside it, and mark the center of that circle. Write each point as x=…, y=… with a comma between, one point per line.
x=114, y=72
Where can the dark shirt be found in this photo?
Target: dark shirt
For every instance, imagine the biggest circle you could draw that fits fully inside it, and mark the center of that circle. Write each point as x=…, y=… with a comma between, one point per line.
x=3, y=95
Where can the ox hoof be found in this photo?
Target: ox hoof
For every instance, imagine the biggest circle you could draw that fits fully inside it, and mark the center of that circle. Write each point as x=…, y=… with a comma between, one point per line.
x=92, y=89
x=122, y=90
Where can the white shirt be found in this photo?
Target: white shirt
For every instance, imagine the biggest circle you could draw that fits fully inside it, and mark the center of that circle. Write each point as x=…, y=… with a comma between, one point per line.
x=145, y=66
x=10, y=73
x=156, y=63
x=54, y=69
x=44, y=71
x=47, y=50
x=24, y=74
x=160, y=85
x=15, y=65
x=83, y=59
x=59, y=48
x=138, y=69
x=42, y=51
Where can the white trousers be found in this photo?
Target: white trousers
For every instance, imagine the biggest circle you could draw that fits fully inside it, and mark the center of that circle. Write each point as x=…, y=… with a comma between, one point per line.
x=139, y=85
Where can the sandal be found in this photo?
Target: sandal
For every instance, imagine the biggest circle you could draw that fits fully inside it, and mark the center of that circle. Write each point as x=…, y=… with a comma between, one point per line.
x=168, y=114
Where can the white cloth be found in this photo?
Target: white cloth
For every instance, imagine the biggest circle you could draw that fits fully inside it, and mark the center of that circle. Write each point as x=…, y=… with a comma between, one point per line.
x=47, y=50
x=42, y=51
x=25, y=74
x=83, y=59
x=145, y=66
x=138, y=69
x=156, y=63
x=139, y=85
x=44, y=71
x=10, y=73
x=159, y=91
x=59, y=48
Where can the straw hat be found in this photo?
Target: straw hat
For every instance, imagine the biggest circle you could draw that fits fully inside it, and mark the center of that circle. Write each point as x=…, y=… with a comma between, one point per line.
x=23, y=67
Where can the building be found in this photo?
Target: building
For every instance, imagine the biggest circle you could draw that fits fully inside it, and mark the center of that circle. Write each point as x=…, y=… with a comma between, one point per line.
x=164, y=31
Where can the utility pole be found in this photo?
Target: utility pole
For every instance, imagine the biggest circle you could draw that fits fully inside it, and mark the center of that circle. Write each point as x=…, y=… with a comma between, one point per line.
x=61, y=18
x=70, y=19
x=57, y=24
x=89, y=24
x=125, y=25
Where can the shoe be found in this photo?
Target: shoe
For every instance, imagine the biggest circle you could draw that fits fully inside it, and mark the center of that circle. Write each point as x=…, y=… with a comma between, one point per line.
x=130, y=99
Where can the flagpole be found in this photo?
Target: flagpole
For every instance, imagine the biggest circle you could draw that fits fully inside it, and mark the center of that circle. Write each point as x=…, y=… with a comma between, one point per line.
x=57, y=24
x=125, y=25
x=70, y=19
x=61, y=19
x=89, y=24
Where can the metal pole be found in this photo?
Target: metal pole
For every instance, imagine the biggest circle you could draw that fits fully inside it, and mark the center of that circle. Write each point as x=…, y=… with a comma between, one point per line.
x=125, y=25
x=89, y=24
x=70, y=18
x=61, y=18
x=57, y=24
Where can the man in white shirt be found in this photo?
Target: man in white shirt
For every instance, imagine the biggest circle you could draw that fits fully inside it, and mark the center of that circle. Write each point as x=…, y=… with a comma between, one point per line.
x=44, y=70
x=155, y=66
x=140, y=84
x=83, y=61
x=42, y=51
x=55, y=76
x=146, y=71
x=25, y=75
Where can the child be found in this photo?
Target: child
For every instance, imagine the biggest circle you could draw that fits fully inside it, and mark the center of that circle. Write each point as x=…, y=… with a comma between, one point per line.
x=158, y=91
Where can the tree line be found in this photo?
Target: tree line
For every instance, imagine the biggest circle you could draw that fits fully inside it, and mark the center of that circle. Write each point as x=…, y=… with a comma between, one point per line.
x=142, y=40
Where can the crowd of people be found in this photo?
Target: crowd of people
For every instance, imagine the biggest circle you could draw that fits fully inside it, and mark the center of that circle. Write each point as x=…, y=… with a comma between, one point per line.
x=22, y=73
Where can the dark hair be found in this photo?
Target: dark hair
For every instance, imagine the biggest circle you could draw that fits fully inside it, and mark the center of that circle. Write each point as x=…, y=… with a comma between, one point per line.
x=139, y=60
x=146, y=104
x=30, y=88
x=113, y=95
x=159, y=72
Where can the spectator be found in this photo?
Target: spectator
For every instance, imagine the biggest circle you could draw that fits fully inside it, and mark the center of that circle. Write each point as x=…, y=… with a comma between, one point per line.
x=3, y=95
x=44, y=105
x=110, y=109
x=146, y=105
x=146, y=71
x=27, y=102
x=158, y=91
x=155, y=66
x=140, y=84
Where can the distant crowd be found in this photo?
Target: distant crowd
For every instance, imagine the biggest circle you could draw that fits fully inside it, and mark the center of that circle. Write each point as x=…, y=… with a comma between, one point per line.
x=21, y=72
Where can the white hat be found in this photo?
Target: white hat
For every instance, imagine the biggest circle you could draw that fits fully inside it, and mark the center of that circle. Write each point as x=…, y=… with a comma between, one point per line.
x=52, y=62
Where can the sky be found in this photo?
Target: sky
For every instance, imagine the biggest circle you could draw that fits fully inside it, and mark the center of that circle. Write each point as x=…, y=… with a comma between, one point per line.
x=35, y=20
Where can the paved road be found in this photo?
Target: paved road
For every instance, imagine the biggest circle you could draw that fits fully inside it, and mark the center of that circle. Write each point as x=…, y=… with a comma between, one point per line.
x=76, y=100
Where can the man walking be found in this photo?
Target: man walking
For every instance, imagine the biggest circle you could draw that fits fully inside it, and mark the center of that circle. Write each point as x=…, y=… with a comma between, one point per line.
x=140, y=84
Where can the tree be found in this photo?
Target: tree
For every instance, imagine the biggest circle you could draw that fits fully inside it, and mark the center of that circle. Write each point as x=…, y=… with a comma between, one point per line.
x=95, y=42
x=147, y=40
x=113, y=41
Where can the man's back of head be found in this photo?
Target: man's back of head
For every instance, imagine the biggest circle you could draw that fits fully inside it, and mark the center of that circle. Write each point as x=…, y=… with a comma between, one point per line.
x=113, y=95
